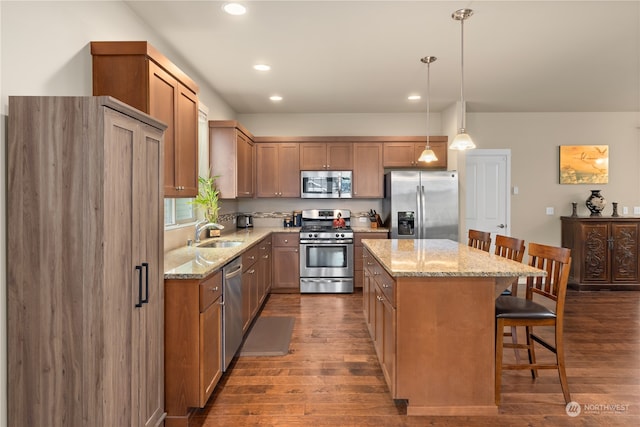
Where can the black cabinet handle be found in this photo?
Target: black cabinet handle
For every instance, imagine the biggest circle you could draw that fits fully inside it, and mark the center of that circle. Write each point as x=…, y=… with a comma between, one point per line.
x=145, y=265
x=139, y=268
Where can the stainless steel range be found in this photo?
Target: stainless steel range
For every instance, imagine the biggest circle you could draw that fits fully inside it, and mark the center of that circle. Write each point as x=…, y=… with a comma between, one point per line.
x=326, y=251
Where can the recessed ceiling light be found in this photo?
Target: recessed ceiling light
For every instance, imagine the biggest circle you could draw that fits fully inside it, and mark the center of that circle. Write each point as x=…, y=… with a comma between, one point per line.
x=234, y=9
x=275, y=98
x=414, y=97
x=262, y=67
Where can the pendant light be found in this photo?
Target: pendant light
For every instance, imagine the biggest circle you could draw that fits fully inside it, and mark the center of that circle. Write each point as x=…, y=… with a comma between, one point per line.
x=428, y=155
x=462, y=141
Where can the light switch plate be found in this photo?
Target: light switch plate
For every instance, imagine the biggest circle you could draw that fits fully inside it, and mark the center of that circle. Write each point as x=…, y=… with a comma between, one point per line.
x=625, y=210
x=550, y=211
x=362, y=219
x=636, y=210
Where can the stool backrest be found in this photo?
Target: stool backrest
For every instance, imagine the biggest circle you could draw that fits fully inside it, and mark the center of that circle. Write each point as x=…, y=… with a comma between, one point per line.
x=510, y=247
x=556, y=262
x=480, y=240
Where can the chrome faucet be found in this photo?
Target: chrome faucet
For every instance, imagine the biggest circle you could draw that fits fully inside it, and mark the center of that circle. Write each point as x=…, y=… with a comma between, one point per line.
x=203, y=225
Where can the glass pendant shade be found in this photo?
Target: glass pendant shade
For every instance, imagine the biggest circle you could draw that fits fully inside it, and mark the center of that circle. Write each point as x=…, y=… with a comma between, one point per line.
x=462, y=141
x=427, y=156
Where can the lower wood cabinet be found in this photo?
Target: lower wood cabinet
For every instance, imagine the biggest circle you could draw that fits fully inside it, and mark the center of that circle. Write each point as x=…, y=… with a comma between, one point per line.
x=604, y=252
x=250, y=296
x=380, y=315
x=193, y=350
x=286, y=263
x=358, y=260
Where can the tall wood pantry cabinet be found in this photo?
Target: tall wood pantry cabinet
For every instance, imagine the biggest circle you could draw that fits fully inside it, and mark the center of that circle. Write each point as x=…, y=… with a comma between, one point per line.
x=604, y=252
x=85, y=263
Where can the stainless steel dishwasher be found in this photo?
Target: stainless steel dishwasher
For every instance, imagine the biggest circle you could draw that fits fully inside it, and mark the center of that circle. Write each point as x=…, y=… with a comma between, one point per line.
x=231, y=310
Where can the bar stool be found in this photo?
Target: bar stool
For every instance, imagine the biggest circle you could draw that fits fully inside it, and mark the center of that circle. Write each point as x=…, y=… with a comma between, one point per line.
x=516, y=311
x=480, y=239
x=513, y=249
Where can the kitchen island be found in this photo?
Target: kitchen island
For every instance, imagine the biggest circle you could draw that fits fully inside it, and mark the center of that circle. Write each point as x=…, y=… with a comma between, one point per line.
x=430, y=309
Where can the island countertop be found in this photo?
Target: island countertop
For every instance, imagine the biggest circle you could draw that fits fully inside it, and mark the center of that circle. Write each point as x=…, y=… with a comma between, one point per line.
x=442, y=258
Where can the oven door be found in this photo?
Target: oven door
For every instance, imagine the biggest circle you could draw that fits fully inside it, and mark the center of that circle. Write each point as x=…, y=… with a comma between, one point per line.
x=326, y=259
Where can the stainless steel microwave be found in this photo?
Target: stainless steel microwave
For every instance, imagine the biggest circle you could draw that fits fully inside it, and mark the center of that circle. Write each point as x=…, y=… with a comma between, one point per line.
x=325, y=184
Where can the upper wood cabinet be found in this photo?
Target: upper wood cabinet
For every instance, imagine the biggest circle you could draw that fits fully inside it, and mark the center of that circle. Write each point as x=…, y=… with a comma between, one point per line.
x=368, y=173
x=232, y=158
x=326, y=156
x=405, y=154
x=137, y=74
x=277, y=169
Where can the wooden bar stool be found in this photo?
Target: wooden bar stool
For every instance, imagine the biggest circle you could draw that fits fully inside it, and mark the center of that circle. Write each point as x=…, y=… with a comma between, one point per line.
x=516, y=311
x=513, y=249
x=480, y=239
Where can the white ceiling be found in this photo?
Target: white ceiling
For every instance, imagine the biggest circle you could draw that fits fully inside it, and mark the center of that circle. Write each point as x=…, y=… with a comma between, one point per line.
x=364, y=56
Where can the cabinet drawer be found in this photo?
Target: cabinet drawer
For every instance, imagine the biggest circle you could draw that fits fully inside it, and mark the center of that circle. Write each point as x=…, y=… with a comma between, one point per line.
x=286, y=239
x=210, y=290
x=386, y=283
x=250, y=257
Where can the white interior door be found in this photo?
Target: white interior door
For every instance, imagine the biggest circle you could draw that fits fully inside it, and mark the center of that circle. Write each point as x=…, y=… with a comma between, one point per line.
x=488, y=179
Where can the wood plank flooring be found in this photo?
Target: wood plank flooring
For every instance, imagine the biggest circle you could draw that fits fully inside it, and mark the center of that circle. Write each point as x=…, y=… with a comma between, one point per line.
x=331, y=376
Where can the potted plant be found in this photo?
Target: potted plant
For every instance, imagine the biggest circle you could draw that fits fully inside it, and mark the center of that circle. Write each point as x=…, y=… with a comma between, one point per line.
x=207, y=199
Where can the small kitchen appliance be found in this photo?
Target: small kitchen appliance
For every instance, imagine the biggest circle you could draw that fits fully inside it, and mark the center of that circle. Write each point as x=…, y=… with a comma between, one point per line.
x=244, y=221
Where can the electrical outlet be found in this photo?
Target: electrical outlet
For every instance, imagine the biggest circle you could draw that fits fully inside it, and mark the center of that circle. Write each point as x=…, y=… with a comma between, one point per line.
x=549, y=211
x=636, y=210
x=363, y=219
x=625, y=210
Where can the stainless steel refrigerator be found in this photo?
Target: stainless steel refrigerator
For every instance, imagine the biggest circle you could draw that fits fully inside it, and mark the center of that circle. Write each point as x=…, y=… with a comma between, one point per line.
x=421, y=204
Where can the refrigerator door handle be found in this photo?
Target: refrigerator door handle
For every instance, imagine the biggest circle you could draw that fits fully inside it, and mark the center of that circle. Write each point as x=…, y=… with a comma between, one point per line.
x=418, y=224
x=423, y=214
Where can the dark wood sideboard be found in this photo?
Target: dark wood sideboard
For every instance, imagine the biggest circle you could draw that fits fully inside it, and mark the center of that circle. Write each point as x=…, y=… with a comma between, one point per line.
x=604, y=252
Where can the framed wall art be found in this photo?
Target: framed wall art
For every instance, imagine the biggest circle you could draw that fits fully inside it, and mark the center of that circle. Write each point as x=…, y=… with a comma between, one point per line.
x=584, y=164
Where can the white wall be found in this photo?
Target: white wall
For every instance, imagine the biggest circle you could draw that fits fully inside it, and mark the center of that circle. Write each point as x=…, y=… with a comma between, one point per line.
x=44, y=50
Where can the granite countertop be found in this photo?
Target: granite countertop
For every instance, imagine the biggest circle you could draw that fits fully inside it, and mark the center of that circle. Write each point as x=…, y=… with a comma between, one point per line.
x=193, y=262
x=442, y=258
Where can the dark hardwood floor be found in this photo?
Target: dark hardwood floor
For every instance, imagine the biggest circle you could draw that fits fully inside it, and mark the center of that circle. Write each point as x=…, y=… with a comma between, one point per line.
x=331, y=375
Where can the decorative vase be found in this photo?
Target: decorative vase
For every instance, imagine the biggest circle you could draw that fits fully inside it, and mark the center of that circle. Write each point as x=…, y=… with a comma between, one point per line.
x=615, y=209
x=574, y=209
x=596, y=203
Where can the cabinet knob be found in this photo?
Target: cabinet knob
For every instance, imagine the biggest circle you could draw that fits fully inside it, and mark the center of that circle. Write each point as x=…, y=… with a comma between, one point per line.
x=286, y=241
x=379, y=298
x=384, y=285
x=215, y=289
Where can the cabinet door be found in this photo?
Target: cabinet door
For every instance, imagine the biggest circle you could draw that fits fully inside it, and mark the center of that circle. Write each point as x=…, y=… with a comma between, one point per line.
x=186, y=169
x=389, y=344
x=286, y=261
x=146, y=296
x=245, y=160
x=399, y=154
x=267, y=170
x=624, y=252
x=339, y=156
x=313, y=156
x=596, y=267
x=151, y=220
x=378, y=321
x=264, y=269
x=210, y=350
x=163, y=93
x=289, y=170
x=368, y=173
x=248, y=296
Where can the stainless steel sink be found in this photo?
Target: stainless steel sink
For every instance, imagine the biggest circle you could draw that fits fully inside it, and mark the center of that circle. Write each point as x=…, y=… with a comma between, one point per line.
x=221, y=244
